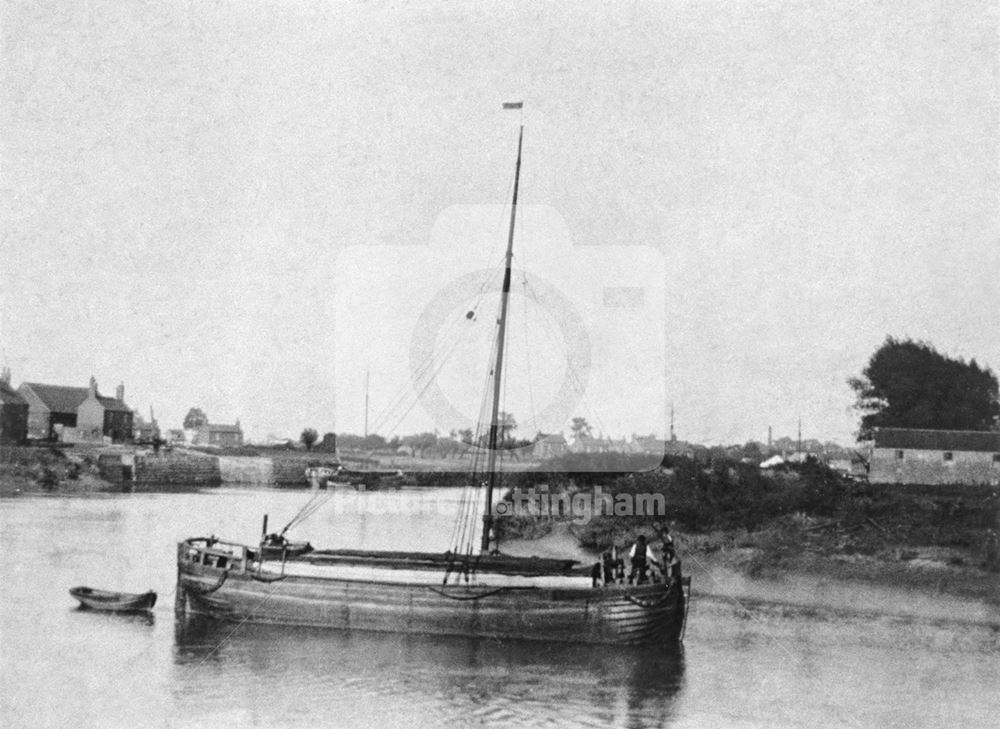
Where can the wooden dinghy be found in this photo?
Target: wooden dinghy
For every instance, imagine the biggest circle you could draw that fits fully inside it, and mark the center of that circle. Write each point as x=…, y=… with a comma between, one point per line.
x=119, y=602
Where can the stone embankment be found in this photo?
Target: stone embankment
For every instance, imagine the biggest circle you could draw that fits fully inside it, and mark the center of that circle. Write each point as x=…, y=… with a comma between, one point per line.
x=201, y=469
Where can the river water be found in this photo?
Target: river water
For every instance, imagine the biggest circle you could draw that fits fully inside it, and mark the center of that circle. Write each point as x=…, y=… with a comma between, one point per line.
x=743, y=664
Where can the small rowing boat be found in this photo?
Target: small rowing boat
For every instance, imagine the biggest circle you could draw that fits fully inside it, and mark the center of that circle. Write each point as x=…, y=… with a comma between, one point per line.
x=113, y=601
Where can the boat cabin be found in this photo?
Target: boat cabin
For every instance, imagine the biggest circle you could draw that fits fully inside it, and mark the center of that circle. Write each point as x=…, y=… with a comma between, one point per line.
x=211, y=552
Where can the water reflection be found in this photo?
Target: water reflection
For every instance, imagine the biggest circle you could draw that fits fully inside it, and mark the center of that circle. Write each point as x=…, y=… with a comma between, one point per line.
x=370, y=678
x=138, y=618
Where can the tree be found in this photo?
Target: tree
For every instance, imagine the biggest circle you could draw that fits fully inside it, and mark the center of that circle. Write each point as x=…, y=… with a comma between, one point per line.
x=373, y=442
x=909, y=384
x=580, y=428
x=328, y=444
x=195, y=418
x=308, y=437
x=419, y=443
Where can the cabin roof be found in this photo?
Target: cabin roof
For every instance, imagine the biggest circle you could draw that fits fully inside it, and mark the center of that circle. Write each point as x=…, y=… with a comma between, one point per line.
x=937, y=440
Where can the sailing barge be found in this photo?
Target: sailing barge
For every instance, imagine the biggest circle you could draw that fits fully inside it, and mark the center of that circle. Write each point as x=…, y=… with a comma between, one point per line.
x=484, y=594
x=506, y=598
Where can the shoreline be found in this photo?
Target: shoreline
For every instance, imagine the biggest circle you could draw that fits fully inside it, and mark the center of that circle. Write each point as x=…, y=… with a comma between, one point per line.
x=807, y=580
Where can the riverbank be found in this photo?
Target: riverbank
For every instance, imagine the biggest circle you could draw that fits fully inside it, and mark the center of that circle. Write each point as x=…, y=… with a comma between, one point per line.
x=48, y=470
x=804, y=523
x=82, y=468
x=725, y=567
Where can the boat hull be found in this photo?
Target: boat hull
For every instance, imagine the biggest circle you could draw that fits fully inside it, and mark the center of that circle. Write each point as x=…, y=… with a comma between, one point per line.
x=643, y=614
x=119, y=602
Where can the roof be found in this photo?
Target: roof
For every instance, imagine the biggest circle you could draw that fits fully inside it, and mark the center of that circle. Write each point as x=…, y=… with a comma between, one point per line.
x=9, y=396
x=110, y=403
x=212, y=428
x=63, y=399
x=938, y=440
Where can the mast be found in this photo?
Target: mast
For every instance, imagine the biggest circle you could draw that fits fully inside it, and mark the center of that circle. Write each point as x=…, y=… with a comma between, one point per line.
x=498, y=364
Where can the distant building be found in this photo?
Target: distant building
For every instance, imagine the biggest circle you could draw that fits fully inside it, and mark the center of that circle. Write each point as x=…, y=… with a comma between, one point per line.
x=648, y=445
x=58, y=412
x=13, y=412
x=549, y=446
x=221, y=436
x=589, y=444
x=175, y=436
x=911, y=456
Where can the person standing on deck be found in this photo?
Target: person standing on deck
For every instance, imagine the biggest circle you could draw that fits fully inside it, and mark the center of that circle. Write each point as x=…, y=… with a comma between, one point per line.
x=671, y=563
x=641, y=556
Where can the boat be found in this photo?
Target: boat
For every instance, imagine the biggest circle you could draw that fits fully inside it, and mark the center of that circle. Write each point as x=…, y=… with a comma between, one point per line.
x=463, y=591
x=346, y=479
x=119, y=602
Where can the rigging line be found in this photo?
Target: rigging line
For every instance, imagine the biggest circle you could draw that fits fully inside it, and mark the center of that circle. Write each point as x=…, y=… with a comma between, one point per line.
x=572, y=371
x=527, y=358
x=388, y=413
x=312, y=510
x=398, y=401
x=471, y=516
x=431, y=377
x=239, y=625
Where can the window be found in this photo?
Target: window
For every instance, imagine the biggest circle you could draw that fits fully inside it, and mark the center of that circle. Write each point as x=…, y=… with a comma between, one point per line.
x=899, y=455
x=996, y=459
x=948, y=456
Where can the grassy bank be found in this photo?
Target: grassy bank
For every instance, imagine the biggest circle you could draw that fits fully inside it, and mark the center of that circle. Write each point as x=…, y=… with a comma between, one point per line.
x=45, y=469
x=804, y=519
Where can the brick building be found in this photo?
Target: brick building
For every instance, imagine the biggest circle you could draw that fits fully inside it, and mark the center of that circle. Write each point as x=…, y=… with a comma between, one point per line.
x=222, y=436
x=58, y=412
x=901, y=455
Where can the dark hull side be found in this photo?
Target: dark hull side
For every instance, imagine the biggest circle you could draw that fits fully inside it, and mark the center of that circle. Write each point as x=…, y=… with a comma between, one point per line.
x=647, y=614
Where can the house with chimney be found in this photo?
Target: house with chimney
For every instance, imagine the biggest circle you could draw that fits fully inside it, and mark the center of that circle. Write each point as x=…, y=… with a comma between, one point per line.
x=218, y=435
x=13, y=412
x=72, y=414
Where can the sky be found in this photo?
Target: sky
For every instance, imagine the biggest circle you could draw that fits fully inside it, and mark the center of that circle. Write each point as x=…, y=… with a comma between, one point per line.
x=246, y=207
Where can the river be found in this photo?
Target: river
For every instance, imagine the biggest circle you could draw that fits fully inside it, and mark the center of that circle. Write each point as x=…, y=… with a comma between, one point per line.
x=759, y=664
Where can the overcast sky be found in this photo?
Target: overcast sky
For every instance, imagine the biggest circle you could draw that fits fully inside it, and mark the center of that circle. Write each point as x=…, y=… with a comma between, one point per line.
x=189, y=190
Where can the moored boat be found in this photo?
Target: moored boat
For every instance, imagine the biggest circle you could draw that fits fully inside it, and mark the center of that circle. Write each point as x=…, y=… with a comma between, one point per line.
x=506, y=597
x=458, y=592
x=95, y=599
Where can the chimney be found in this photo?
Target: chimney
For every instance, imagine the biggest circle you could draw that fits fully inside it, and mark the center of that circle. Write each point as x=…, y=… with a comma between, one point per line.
x=120, y=392
x=5, y=376
x=93, y=386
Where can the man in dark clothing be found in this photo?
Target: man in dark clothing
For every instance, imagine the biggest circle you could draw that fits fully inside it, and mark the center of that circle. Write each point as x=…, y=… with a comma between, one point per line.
x=641, y=557
x=671, y=564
